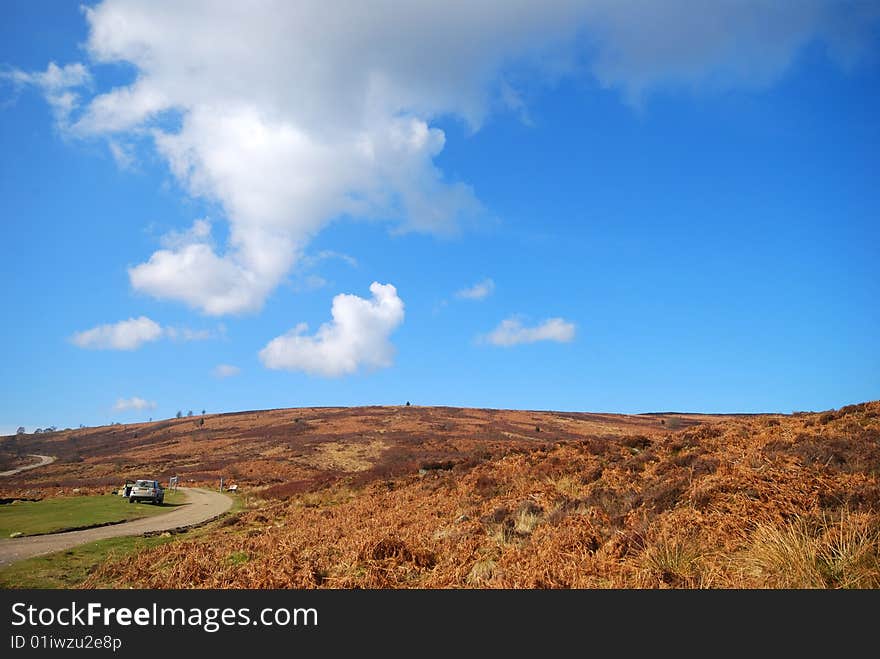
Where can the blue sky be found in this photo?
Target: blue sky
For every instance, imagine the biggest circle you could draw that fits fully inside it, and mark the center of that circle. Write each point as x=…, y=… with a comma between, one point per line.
x=569, y=206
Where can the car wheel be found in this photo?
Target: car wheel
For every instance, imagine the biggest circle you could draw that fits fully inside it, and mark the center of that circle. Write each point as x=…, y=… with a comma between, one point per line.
x=131, y=500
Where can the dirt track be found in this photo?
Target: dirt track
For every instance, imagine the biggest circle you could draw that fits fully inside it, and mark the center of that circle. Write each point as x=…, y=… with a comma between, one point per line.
x=201, y=505
x=44, y=460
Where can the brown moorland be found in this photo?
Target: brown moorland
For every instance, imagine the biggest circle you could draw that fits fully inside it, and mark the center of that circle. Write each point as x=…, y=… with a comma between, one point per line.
x=431, y=497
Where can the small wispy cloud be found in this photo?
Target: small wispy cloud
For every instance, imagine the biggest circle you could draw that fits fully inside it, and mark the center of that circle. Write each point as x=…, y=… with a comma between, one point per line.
x=56, y=83
x=514, y=102
x=225, y=371
x=122, y=153
x=311, y=283
x=131, y=334
x=511, y=332
x=331, y=254
x=125, y=335
x=187, y=334
x=134, y=403
x=306, y=282
x=479, y=291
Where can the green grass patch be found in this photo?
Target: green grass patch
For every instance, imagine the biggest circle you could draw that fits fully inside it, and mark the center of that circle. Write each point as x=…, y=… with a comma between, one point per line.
x=69, y=568
x=58, y=514
x=238, y=557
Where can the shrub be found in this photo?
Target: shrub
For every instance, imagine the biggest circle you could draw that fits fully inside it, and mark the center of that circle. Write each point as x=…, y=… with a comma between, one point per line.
x=826, y=418
x=673, y=561
x=481, y=572
x=823, y=554
x=486, y=486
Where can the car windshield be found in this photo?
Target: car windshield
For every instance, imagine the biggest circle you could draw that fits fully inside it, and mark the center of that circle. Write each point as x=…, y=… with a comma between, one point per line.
x=144, y=484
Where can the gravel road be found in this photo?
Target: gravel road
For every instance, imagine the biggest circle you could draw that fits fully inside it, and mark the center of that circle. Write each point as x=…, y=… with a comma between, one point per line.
x=44, y=460
x=201, y=505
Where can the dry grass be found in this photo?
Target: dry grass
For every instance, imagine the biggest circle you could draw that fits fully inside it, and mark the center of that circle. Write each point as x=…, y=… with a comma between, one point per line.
x=674, y=562
x=642, y=508
x=345, y=457
x=526, y=521
x=824, y=553
x=287, y=448
x=481, y=572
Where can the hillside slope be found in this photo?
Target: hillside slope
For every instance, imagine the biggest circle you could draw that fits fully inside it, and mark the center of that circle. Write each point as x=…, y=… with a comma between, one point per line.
x=297, y=449
x=585, y=502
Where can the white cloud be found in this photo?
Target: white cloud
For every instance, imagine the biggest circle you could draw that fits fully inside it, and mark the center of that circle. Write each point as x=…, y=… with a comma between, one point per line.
x=123, y=154
x=196, y=275
x=189, y=270
x=327, y=254
x=513, y=100
x=187, y=334
x=304, y=283
x=511, y=332
x=133, y=333
x=358, y=336
x=56, y=83
x=311, y=283
x=225, y=371
x=134, y=403
x=723, y=44
x=124, y=335
x=199, y=232
x=289, y=114
x=479, y=291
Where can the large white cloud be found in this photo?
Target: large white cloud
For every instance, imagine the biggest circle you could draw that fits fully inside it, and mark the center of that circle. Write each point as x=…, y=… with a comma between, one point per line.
x=290, y=114
x=511, y=332
x=358, y=336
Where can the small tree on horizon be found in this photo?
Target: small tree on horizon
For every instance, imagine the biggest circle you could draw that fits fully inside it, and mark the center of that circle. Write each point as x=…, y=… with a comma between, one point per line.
x=179, y=414
x=20, y=430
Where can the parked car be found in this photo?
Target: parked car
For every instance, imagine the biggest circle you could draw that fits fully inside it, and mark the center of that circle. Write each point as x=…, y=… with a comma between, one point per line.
x=145, y=490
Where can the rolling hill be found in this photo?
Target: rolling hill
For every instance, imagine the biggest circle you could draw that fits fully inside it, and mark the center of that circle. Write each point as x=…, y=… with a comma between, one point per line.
x=433, y=497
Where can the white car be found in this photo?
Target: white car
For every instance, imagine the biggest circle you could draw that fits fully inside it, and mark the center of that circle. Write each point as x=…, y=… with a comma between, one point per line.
x=144, y=490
